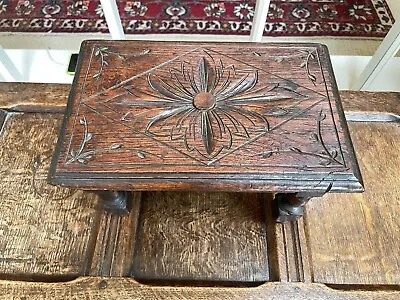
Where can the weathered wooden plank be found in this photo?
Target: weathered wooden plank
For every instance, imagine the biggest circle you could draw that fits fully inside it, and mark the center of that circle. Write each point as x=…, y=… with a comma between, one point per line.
x=202, y=236
x=374, y=106
x=291, y=244
x=44, y=230
x=115, y=242
x=355, y=239
x=124, y=288
x=33, y=96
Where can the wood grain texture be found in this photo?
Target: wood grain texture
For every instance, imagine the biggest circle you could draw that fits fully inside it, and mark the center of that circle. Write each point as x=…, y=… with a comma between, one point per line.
x=124, y=288
x=358, y=240
x=33, y=96
x=293, y=259
x=356, y=243
x=115, y=242
x=44, y=230
x=202, y=116
x=202, y=236
x=3, y=115
x=371, y=106
x=42, y=96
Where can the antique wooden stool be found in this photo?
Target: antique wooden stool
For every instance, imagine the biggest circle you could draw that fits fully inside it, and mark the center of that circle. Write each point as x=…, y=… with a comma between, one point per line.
x=146, y=116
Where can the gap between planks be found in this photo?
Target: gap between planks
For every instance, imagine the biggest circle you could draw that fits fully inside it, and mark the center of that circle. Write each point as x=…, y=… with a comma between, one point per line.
x=125, y=288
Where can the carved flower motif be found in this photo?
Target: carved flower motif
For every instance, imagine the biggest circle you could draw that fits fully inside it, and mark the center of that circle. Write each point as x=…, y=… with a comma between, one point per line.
x=206, y=105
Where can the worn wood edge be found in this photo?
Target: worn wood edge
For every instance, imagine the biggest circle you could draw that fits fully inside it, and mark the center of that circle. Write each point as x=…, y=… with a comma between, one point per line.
x=266, y=182
x=27, y=97
x=127, y=288
x=3, y=117
x=353, y=164
x=371, y=106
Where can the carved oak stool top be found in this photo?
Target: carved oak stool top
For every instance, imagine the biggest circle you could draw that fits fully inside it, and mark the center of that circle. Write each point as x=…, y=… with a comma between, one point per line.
x=205, y=116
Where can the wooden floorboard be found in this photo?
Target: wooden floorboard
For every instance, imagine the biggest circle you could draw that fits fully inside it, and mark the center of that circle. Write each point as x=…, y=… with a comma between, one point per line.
x=115, y=242
x=44, y=230
x=371, y=105
x=355, y=238
x=37, y=97
x=202, y=236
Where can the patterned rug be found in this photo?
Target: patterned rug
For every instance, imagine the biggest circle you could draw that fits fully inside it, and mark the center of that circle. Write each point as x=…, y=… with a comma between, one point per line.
x=361, y=18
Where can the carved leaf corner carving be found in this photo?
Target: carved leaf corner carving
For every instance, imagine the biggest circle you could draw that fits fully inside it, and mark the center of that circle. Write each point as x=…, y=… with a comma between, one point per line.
x=326, y=156
x=83, y=157
x=102, y=52
x=307, y=55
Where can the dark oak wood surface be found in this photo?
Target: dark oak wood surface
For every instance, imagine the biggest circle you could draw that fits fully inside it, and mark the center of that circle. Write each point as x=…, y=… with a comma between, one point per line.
x=358, y=246
x=198, y=116
x=200, y=230
x=125, y=288
x=44, y=230
x=44, y=239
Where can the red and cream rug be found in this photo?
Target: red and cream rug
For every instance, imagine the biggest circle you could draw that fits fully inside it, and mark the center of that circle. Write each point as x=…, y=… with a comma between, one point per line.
x=359, y=18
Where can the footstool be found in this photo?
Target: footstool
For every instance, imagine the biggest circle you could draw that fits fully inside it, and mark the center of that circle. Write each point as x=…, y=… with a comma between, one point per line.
x=242, y=117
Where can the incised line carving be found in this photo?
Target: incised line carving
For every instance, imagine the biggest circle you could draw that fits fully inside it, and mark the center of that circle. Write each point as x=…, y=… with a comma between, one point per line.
x=102, y=52
x=83, y=157
x=208, y=102
x=205, y=104
x=305, y=54
x=328, y=156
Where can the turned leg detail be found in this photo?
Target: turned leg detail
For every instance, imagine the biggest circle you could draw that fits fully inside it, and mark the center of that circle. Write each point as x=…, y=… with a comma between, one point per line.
x=290, y=206
x=115, y=202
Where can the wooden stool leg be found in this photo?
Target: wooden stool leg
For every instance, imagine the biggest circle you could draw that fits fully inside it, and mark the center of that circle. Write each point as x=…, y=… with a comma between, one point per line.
x=290, y=206
x=115, y=202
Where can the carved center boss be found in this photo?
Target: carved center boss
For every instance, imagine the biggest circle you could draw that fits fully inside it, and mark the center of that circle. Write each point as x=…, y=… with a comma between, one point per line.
x=231, y=117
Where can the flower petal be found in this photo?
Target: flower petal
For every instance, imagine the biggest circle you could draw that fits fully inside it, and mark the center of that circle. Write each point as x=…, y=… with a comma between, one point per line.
x=240, y=86
x=165, y=115
x=207, y=133
x=170, y=90
x=206, y=77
